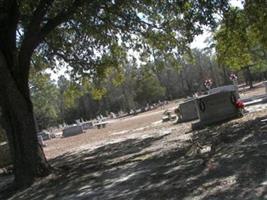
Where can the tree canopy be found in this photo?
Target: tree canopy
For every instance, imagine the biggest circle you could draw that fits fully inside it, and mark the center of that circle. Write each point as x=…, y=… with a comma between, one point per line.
x=92, y=36
x=240, y=40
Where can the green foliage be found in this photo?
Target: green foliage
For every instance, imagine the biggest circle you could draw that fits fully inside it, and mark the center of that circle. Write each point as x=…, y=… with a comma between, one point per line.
x=240, y=41
x=71, y=94
x=98, y=93
x=148, y=88
x=90, y=36
x=233, y=45
x=44, y=95
x=256, y=12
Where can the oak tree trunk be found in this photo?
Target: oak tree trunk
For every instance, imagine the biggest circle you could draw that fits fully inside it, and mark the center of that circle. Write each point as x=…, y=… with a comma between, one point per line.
x=28, y=157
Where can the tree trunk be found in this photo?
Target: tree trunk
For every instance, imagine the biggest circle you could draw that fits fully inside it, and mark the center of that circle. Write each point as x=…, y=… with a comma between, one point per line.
x=225, y=75
x=28, y=157
x=249, y=77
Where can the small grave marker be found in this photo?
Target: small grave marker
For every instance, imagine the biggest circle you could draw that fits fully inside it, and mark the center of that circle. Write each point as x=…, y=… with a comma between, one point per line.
x=73, y=130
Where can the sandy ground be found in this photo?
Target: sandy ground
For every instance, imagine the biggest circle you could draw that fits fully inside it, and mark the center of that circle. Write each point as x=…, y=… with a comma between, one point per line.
x=115, y=129
x=258, y=90
x=223, y=162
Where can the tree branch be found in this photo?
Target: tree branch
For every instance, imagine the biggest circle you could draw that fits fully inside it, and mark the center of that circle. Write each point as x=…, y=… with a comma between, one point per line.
x=35, y=33
x=60, y=18
x=38, y=15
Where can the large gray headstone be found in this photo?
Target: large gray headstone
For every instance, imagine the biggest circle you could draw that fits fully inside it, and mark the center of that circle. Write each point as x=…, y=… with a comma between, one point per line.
x=225, y=88
x=215, y=108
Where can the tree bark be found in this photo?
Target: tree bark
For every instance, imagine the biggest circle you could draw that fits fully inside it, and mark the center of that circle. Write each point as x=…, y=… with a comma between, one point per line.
x=28, y=157
x=249, y=77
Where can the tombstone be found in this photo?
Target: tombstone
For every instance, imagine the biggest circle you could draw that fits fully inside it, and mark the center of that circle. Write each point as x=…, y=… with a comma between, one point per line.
x=73, y=130
x=100, y=124
x=41, y=140
x=187, y=111
x=5, y=157
x=87, y=125
x=225, y=88
x=168, y=116
x=78, y=122
x=45, y=135
x=113, y=116
x=216, y=107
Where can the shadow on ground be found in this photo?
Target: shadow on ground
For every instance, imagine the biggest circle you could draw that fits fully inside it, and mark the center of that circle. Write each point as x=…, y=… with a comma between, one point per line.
x=233, y=168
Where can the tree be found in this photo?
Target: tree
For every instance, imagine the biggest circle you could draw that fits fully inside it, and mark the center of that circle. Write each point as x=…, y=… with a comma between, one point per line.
x=256, y=14
x=148, y=88
x=240, y=41
x=87, y=35
x=44, y=95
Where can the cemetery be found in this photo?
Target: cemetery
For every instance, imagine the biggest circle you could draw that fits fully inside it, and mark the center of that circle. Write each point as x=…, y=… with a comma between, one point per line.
x=186, y=119
x=133, y=100
x=123, y=135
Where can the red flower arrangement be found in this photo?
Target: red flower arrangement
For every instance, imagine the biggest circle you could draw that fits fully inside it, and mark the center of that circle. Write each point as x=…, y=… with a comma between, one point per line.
x=239, y=104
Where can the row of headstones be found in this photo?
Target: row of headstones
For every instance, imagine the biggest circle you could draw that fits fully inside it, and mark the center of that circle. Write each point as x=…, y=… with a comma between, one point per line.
x=219, y=104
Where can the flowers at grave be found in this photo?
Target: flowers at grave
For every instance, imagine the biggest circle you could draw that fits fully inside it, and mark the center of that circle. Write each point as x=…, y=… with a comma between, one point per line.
x=233, y=77
x=208, y=83
x=239, y=104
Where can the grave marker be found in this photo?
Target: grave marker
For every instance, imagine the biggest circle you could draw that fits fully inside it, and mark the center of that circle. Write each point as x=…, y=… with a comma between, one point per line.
x=216, y=107
x=73, y=130
x=187, y=111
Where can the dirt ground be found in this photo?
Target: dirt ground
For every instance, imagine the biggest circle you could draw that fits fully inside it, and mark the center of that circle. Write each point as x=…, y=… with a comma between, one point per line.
x=117, y=128
x=140, y=157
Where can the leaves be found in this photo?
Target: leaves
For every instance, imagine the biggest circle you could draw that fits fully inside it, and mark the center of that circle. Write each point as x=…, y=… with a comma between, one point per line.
x=239, y=41
x=44, y=96
x=92, y=35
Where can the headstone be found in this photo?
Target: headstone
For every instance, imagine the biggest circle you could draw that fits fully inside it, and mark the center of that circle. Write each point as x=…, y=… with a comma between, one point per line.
x=73, y=130
x=78, y=122
x=45, y=135
x=5, y=157
x=187, y=111
x=225, y=88
x=113, y=116
x=40, y=140
x=168, y=116
x=100, y=124
x=216, y=107
x=87, y=125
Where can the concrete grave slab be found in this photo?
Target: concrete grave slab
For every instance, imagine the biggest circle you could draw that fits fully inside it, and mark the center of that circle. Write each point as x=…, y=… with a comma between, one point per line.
x=73, y=130
x=187, y=111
